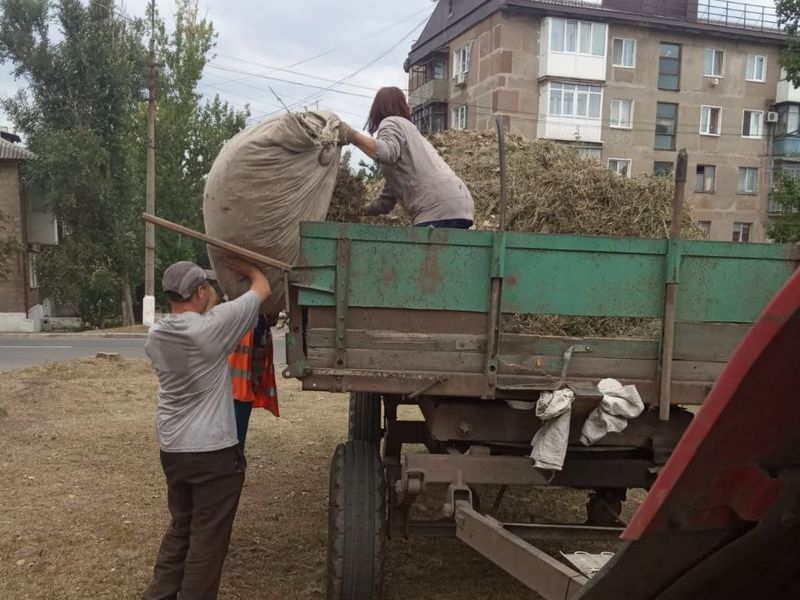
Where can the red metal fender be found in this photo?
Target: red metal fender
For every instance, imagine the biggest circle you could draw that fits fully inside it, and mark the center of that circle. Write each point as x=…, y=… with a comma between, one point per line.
x=723, y=518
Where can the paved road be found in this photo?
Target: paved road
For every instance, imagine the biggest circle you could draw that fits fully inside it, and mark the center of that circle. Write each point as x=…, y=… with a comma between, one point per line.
x=19, y=352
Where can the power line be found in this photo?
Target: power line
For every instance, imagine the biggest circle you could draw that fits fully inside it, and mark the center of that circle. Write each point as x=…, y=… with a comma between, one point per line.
x=292, y=72
x=361, y=38
x=332, y=87
x=218, y=67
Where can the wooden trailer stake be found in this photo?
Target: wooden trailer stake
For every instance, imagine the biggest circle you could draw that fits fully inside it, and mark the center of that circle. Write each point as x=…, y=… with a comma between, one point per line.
x=671, y=290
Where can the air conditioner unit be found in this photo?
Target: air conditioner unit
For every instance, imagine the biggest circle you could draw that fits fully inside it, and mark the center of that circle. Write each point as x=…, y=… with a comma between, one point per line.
x=461, y=79
x=772, y=117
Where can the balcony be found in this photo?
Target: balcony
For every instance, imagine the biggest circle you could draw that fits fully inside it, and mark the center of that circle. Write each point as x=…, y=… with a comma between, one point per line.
x=786, y=146
x=786, y=92
x=433, y=90
x=724, y=13
x=738, y=15
x=569, y=129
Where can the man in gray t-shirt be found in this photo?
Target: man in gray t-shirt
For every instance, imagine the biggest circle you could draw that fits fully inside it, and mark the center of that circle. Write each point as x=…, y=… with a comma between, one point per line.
x=196, y=426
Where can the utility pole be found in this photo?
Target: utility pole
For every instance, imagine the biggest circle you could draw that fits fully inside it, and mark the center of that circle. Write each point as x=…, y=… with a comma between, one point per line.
x=149, y=302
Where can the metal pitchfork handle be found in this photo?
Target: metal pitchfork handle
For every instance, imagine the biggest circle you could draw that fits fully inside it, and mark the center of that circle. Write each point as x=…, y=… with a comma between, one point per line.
x=217, y=243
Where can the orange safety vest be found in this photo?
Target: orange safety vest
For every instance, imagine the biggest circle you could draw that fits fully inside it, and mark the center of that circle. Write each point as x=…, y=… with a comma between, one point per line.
x=266, y=393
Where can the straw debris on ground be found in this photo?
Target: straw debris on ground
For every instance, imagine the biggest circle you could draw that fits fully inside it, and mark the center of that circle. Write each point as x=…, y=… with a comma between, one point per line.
x=83, y=507
x=552, y=188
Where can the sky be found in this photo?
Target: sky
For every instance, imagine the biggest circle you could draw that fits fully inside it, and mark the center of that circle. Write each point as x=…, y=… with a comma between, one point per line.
x=365, y=41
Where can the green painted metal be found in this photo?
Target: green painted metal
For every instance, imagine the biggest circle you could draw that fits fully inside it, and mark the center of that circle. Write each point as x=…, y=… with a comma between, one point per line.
x=439, y=269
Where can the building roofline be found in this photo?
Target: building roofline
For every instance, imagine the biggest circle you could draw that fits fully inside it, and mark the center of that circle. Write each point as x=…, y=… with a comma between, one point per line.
x=433, y=38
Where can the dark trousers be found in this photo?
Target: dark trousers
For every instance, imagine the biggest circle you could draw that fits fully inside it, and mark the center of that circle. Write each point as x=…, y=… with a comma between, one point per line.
x=203, y=491
x=242, y=411
x=447, y=224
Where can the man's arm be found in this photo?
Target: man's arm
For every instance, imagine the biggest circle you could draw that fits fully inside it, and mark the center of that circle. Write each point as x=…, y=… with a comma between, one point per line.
x=233, y=319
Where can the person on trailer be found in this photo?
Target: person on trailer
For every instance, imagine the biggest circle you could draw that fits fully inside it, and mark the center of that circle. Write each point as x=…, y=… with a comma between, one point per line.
x=416, y=176
x=196, y=426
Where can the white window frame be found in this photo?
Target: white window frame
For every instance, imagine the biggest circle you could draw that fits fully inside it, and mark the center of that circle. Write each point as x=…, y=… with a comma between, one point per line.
x=618, y=124
x=619, y=162
x=579, y=27
x=739, y=231
x=621, y=64
x=461, y=60
x=459, y=117
x=755, y=57
x=713, y=62
x=705, y=179
x=759, y=119
x=743, y=189
x=705, y=107
x=576, y=90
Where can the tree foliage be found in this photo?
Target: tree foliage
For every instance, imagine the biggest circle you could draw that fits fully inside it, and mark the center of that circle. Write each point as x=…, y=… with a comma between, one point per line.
x=785, y=228
x=788, y=12
x=82, y=112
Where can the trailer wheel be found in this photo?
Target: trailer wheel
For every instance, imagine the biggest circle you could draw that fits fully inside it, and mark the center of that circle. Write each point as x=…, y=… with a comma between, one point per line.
x=356, y=523
x=364, y=423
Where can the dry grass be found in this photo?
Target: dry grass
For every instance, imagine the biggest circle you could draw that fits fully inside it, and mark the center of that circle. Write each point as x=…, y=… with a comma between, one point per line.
x=551, y=189
x=83, y=507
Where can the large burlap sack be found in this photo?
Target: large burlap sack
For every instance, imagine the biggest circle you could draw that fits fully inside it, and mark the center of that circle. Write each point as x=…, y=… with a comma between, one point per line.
x=265, y=181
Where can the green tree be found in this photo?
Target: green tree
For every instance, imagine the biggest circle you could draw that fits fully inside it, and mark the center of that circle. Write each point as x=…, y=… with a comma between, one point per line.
x=789, y=19
x=78, y=114
x=190, y=131
x=10, y=247
x=785, y=228
x=83, y=114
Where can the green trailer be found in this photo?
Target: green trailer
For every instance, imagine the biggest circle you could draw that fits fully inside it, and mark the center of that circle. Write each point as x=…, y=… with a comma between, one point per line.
x=399, y=316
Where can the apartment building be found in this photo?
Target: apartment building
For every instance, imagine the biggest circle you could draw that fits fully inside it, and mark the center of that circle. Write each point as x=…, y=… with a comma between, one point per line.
x=629, y=82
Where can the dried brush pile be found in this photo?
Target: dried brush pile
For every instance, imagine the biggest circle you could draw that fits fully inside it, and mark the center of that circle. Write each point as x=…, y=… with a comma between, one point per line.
x=551, y=189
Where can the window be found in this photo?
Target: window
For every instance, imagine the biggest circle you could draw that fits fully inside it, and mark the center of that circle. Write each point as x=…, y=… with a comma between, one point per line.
x=705, y=226
x=437, y=69
x=450, y=7
x=33, y=278
x=752, y=123
x=459, y=117
x=710, y=120
x=748, y=180
x=624, y=53
x=578, y=37
x=622, y=166
x=788, y=120
x=705, y=180
x=756, y=68
x=713, y=62
x=572, y=100
x=669, y=67
x=621, y=113
x=461, y=60
x=663, y=168
x=593, y=152
x=666, y=125
x=741, y=232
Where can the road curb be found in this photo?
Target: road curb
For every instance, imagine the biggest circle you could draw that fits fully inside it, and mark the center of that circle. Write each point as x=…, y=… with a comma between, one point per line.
x=81, y=335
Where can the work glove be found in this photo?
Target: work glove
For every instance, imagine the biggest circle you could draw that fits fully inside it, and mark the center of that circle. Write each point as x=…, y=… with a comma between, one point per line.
x=346, y=134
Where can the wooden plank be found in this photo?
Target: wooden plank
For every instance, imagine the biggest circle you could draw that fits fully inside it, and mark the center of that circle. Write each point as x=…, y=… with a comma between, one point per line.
x=509, y=343
x=401, y=320
x=707, y=341
x=703, y=342
x=543, y=366
x=469, y=385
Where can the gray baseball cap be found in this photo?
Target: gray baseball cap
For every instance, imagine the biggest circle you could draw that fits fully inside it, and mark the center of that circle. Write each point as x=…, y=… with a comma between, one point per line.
x=184, y=277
